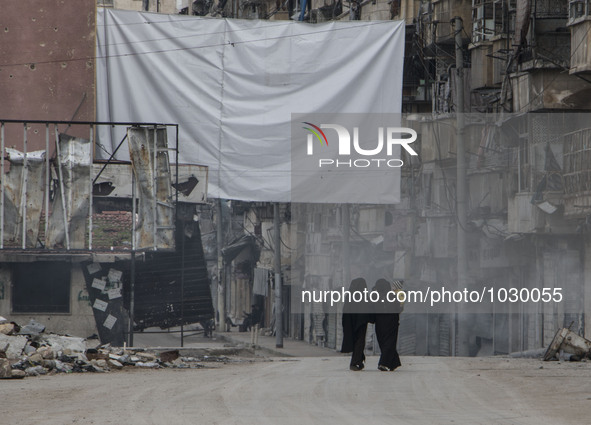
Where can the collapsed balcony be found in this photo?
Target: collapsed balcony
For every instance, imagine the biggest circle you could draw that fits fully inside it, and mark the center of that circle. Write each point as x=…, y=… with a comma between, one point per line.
x=122, y=234
x=59, y=199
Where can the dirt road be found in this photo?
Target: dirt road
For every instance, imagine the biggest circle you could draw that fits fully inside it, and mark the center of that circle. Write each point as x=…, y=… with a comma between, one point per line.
x=311, y=391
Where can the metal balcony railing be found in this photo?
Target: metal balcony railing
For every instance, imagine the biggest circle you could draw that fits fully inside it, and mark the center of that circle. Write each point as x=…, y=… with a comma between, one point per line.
x=47, y=185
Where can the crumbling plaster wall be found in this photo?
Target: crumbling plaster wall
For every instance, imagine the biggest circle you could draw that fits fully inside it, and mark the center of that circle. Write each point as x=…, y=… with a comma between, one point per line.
x=79, y=322
x=47, y=64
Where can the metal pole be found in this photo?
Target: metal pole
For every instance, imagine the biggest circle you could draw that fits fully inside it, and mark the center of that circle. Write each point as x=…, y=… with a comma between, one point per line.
x=346, y=223
x=155, y=189
x=62, y=193
x=510, y=328
x=24, y=188
x=131, y=297
x=461, y=195
x=228, y=270
x=90, y=180
x=427, y=336
x=133, y=210
x=2, y=184
x=494, y=329
x=227, y=287
x=221, y=291
x=519, y=167
x=278, y=289
x=176, y=213
x=521, y=327
x=132, y=271
x=182, y=284
x=47, y=181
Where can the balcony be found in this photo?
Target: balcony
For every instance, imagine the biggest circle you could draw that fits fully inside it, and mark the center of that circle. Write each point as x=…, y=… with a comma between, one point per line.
x=57, y=199
x=578, y=11
x=492, y=18
x=580, y=35
x=577, y=173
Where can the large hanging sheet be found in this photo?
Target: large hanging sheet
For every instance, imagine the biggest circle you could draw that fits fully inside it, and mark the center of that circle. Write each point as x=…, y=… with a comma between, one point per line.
x=232, y=86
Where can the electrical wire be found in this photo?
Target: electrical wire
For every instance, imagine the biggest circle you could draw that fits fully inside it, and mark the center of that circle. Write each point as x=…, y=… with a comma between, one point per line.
x=258, y=238
x=206, y=46
x=269, y=235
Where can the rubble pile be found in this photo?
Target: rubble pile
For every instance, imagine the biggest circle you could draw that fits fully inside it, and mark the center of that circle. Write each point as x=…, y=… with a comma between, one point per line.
x=29, y=351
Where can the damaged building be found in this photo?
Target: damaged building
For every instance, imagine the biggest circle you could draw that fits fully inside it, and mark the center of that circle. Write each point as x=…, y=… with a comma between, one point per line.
x=87, y=241
x=74, y=257
x=524, y=95
x=525, y=82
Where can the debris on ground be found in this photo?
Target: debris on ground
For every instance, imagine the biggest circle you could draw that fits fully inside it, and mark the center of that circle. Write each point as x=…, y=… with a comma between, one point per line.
x=536, y=353
x=8, y=328
x=32, y=328
x=169, y=356
x=29, y=351
x=572, y=346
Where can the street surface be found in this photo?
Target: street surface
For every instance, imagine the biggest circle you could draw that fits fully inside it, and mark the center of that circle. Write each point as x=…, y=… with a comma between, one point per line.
x=310, y=390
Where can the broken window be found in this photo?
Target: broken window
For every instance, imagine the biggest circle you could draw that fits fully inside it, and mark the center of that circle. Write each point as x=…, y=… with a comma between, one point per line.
x=41, y=287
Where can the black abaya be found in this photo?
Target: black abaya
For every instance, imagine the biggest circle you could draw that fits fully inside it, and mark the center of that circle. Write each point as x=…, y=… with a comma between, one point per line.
x=387, y=320
x=387, y=334
x=354, y=322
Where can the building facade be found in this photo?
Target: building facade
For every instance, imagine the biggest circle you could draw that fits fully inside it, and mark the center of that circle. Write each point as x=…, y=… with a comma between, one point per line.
x=525, y=84
x=76, y=232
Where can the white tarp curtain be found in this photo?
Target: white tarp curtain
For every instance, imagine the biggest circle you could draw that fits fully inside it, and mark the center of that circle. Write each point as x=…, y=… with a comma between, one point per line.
x=232, y=86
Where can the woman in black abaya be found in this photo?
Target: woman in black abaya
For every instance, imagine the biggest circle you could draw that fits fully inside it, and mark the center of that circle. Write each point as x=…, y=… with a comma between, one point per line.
x=387, y=319
x=355, y=320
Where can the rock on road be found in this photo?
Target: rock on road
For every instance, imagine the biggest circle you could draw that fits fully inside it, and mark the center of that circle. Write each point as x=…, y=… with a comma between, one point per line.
x=298, y=391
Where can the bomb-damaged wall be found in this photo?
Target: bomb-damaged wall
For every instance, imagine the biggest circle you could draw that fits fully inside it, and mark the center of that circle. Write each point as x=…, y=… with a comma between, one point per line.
x=76, y=317
x=47, y=65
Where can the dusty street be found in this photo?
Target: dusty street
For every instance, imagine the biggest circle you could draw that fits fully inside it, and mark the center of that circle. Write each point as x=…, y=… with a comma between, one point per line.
x=311, y=391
